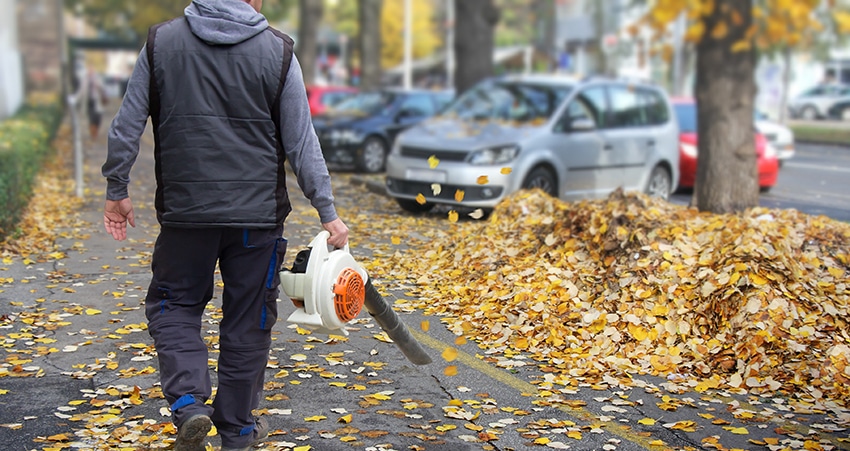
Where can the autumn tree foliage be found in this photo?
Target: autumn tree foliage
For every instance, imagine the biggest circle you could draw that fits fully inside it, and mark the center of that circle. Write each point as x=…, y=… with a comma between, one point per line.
x=726, y=34
x=131, y=20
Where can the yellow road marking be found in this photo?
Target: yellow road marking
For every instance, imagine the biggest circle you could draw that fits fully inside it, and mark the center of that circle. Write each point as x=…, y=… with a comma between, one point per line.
x=617, y=429
x=522, y=386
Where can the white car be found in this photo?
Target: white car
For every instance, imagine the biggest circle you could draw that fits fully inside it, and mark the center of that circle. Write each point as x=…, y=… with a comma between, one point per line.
x=777, y=135
x=815, y=102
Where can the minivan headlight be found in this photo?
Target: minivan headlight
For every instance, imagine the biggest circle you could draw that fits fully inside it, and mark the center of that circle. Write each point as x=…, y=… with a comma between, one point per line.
x=494, y=155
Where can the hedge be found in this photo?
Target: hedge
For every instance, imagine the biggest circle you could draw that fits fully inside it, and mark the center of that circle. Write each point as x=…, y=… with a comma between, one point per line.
x=25, y=141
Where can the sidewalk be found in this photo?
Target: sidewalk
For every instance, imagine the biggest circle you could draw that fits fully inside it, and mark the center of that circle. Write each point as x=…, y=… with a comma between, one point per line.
x=79, y=368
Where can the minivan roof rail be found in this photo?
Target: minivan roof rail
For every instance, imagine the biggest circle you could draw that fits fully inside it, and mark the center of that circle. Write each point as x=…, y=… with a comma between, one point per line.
x=624, y=79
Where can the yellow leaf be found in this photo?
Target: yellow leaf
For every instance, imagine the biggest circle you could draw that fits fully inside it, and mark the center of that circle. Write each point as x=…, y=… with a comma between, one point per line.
x=425, y=325
x=345, y=419
x=541, y=441
x=302, y=448
x=695, y=32
x=720, y=31
x=482, y=180
x=395, y=240
x=738, y=430
x=315, y=418
x=420, y=199
x=453, y=216
x=433, y=161
x=459, y=195
x=647, y=421
x=3, y=392
x=449, y=354
x=574, y=435
x=460, y=341
x=741, y=46
x=445, y=427
x=92, y=311
x=506, y=170
x=450, y=370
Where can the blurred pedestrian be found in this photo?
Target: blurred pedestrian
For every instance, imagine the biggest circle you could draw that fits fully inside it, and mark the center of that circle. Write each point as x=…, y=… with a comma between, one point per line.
x=228, y=107
x=95, y=102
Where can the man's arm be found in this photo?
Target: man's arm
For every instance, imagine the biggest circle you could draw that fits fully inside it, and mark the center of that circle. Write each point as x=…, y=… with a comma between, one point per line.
x=305, y=154
x=123, y=148
x=126, y=131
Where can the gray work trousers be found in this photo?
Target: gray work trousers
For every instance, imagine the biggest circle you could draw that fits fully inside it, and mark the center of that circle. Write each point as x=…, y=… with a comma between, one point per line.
x=183, y=265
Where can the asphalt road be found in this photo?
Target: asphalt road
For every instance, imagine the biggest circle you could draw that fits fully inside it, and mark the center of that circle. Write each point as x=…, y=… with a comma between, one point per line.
x=815, y=181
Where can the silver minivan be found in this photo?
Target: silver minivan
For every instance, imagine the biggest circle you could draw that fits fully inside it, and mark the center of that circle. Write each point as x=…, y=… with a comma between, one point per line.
x=572, y=138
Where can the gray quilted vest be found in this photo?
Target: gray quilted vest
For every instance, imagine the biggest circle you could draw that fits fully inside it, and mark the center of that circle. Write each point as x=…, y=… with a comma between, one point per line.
x=215, y=112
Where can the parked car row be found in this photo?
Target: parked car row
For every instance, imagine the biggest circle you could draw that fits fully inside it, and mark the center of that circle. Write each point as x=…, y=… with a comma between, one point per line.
x=573, y=138
x=821, y=102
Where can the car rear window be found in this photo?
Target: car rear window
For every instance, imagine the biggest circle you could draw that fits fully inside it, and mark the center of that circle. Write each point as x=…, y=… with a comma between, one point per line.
x=686, y=114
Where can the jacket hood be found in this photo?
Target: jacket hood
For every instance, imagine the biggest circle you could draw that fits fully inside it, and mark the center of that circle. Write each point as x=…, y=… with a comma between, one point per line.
x=224, y=21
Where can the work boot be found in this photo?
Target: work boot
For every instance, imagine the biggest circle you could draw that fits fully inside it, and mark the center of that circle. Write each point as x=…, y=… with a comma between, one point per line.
x=261, y=432
x=191, y=434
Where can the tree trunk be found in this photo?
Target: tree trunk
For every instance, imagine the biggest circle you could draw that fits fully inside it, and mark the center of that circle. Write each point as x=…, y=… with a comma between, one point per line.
x=475, y=22
x=727, y=178
x=370, y=43
x=310, y=15
x=544, y=15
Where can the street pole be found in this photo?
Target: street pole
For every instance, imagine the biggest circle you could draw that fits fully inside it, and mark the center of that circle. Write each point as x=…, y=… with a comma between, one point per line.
x=408, y=45
x=450, y=44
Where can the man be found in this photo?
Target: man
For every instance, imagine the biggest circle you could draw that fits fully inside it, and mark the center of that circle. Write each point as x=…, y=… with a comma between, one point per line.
x=228, y=106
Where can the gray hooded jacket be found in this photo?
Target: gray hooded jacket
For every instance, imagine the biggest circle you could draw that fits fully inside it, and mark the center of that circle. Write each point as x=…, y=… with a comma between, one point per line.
x=221, y=140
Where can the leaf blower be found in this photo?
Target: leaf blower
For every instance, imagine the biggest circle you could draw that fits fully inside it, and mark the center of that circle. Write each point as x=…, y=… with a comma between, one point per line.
x=329, y=289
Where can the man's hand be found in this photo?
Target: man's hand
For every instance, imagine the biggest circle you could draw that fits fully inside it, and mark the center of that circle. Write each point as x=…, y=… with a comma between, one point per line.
x=338, y=231
x=116, y=215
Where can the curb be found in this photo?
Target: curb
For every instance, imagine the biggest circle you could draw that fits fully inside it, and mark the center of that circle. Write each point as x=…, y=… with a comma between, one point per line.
x=372, y=185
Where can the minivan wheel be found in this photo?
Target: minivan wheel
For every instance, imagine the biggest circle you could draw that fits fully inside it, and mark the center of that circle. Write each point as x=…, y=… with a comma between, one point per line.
x=414, y=207
x=541, y=178
x=809, y=113
x=659, y=183
x=372, y=155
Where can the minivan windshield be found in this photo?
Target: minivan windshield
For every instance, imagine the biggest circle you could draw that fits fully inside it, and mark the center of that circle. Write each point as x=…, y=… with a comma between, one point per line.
x=509, y=101
x=366, y=103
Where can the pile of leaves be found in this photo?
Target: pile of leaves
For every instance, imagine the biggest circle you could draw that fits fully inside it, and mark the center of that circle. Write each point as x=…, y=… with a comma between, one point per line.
x=755, y=301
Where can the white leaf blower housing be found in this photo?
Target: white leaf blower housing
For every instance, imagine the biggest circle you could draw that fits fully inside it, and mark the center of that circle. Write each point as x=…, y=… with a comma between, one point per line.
x=332, y=289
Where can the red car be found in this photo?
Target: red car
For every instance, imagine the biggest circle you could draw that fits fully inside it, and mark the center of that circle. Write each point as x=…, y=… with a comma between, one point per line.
x=322, y=97
x=686, y=113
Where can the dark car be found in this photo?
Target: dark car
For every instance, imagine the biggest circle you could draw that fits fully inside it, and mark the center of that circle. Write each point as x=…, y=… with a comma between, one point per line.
x=360, y=130
x=840, y=110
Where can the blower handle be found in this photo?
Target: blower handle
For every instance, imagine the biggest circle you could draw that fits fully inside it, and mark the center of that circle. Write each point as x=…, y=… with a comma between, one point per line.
x=321, y=239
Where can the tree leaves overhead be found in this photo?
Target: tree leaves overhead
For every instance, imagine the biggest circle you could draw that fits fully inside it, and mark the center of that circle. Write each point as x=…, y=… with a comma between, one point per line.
x=786, y=22
x=131, y=20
